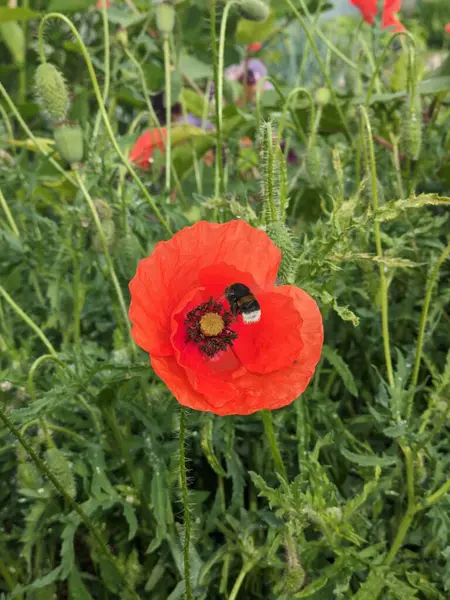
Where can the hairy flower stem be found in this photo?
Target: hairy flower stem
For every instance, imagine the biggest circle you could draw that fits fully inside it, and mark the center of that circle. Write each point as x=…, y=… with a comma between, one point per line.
x=101, y=105
x=370, y=163
x=27, y=320
x=187, y=514
x=40, y=464
x=107, y=254
x=423, y=321
x=168, y=99
x=268, y=428
x=107, y=63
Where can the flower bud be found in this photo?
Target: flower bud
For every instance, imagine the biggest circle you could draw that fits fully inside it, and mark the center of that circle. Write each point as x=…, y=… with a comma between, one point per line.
x=69, y=141
x=314, y=165
x=413, y=130
x=254, y=10
x=122, y=37
x=322, y=96
x=165, y=17
x=52, y=94
x=109, y=231
x=281, y=237
x=103, y=209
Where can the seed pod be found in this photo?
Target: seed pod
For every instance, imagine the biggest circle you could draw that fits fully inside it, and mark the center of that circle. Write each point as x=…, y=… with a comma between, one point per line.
x=69, y=141
x=295, y=579
x=103, y=209
x=254, y=10
x=12, y=34
x=109, y=230
x=165, y=17
x=52, y=94
x=322, y=96
x=128, y=252
x=313, y=165
x=413, y=130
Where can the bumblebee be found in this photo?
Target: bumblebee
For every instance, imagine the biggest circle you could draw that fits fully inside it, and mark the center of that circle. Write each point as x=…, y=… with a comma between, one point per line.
x=243, y=302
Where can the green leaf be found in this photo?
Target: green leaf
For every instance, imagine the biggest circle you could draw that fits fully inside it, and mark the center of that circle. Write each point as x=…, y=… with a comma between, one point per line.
x=400, y=589
x=208, y=446
x=194, y=68
x=366, y=460
x=252, y=31
x=130, y=516
x=68, y=5
x=17, y=14
x=313, y=587
x=77, y=589
x=342, y=369
x=60, y=467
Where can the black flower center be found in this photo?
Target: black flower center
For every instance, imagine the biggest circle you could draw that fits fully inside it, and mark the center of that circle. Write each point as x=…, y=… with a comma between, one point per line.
x=208, y=326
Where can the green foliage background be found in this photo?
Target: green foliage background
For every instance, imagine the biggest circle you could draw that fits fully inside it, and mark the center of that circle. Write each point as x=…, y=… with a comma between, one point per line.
x=360, y=506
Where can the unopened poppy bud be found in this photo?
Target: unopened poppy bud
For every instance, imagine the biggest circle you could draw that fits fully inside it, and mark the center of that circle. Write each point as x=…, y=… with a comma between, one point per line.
x=295, y=579
x=367, y=193
x=122, y=37
x=12, y=34
x=103, y=208
x=69, y=141
x=314, y=165
x=109, y=231
x=254, y=10
x=165, y=17
x=281, y=237
x=322, y=96
x=413, y=130
x=52, y=94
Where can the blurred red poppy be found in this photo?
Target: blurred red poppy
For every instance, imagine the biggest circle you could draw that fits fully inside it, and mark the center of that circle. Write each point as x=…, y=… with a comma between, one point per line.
x=100, y=4
x=369, y=11
x=255, y=47
x=210, y=359
x=142, y=151
x=447, y=28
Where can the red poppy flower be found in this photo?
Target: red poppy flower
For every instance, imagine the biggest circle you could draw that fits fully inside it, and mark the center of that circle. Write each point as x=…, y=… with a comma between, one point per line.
x=255, y=47
x=142, y=151
x=100, y=4
x=210, y=359
x=447, y=28
x=369, y=11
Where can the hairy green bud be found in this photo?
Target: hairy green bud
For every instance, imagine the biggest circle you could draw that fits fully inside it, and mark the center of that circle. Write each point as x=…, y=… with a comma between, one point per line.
x=69, y=141
x=52, y=94
x=60, y=467
x=165, y=17
x=282, y=238
x=413, y=129
x=254, y=10
x=313, y=164
x=322, y=96
x=109, y=231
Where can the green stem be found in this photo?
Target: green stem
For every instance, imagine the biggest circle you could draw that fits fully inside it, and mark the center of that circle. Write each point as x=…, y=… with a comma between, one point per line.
x=218, y=83
x=106, y=252
x=306, y=28
x=33, y=369
x=270, y=434
x=246, y=568
x=187, y=514
x=168, y=90
x=437, y=495
x=423, y=322
x=28, y=321
x=377, y=230
x=40, y=464
x=103, y=112
x=8, y=214
x=107, y=63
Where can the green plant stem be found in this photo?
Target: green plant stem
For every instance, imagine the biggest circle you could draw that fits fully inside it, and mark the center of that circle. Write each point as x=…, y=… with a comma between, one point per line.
x=217, y=63
x=35, y=366
x=103, y=112
x=423, y=322
x=246, y=568
x=266, y=416
x=438, y=494
x=40, y=464
x=187, y=514
x=306, y=28
x=8, y=214
x=107, y=254
x=168, y=98
x=107, y=64
x=377, y=230
x=27, y=320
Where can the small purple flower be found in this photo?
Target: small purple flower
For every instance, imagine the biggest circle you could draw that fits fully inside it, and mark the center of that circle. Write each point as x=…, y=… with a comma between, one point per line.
x=256, y=70
x=195, y=121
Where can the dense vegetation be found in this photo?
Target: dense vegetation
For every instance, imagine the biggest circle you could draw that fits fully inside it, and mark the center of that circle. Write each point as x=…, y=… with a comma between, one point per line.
x=349, y=135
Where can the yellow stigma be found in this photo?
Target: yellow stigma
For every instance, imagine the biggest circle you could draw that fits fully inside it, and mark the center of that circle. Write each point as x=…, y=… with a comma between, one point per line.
x=211, y=324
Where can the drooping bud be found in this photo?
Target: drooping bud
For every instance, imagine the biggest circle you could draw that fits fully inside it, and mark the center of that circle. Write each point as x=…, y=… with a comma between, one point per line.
x=254, y=10
x=109, y=231
x=69, y=141
x=165, y=17
x=413, y=129
x=322, y=96
x=51, y=90
x=313, y=164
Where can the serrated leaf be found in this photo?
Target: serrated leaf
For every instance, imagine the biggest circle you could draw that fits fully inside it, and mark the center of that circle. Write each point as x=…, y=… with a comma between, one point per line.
x=366, y=460
x=130, y=516
x=77, y=589
x=312, y=587
x=341, y=367
x=60, y=467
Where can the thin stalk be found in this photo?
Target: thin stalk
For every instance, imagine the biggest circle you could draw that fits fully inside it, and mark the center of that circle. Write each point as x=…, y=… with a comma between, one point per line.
x=438, y=494
x=33, y=369
x=40, y=464
x=8, y=214
x=28, y=321
x=423, y=322
x=107, y=63
x=76, y=299
x=187, y=514
x=325, y=74
x=106, y=252
x=246, y=568
x=168, y=90
x=104, y=114
x=219, y=172
x=377, y=230
x=270, y=434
